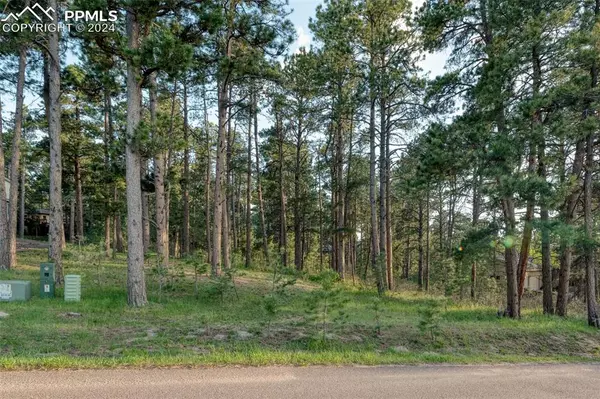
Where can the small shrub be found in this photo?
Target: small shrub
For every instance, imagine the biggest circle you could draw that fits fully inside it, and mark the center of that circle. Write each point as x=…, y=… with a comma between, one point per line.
x=429, y=323
x=325, y=306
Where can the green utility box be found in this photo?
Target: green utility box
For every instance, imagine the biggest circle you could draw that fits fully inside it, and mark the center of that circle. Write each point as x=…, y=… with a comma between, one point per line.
x=15, y=290
x=73, y=287
x=47, y=280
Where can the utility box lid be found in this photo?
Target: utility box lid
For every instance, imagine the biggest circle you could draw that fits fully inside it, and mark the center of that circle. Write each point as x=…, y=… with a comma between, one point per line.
x=15, y=290
x=73, y=287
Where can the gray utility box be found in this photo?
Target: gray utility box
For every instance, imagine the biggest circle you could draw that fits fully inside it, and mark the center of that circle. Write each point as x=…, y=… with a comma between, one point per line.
x=15, y=290
x=73, y=287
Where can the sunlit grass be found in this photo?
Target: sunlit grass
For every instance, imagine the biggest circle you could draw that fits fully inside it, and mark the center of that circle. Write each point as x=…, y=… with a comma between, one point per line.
x=178, y=328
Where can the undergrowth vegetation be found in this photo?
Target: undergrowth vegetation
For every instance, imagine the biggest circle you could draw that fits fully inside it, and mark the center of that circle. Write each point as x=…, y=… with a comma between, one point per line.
x=251, y=317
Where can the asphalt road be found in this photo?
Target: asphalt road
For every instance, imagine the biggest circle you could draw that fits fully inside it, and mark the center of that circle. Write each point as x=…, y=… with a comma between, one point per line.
x=464, y=382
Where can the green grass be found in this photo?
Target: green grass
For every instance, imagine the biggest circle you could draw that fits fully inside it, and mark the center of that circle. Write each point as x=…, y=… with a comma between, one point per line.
x=178, y=328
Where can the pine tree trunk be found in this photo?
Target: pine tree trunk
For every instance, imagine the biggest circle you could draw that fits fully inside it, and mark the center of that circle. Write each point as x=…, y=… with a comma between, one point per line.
x=22, y=200
x=388, y=215
x=338, y=201
x=54, y=129
x=566, y=245
x=78, y=188
x=185, y=182
x=374, y=256
x=382, y=194
x=3, y=202
x=426, y=271
x=160, y=169
x=282, y=198
x=10, y=257
x=108, y=138
x=420, y=239
x=219, y=197
x=207, y=180
x=475, y=220
x=228, y=222
x=72, y=217
x=547, y=302
x=298, y=214
x=248, y=252
x=136, y=285
x=261, y=205
x=118, y=230
x=589, y=250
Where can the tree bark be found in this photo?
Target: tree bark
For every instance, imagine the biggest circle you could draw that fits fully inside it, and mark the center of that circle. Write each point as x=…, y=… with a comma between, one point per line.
x=219, y=197
x=420, y=241
x=426, y=271
x=261, y=205
x=375, y=248
x=11, y=256
x=298, y=200
x=248, y=252
x=475, y=220
x=589, y=247
x=207, y=178
x=22, y=199
x=228, y=223
x=160, y=169
x=136, y=285
x=108, y=139
x=547, y=302
x=54, y=129
x=78, y=183
x=566, y=244
x=282, y=196
x=3, y=202
x=388, y=212
x=185, y=183
x=590, y=261
x=118, y=230
x=72, y=217
x=382, y=194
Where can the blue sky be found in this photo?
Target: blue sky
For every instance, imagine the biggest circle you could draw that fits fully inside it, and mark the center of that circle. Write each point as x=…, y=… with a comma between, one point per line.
x=302, y=11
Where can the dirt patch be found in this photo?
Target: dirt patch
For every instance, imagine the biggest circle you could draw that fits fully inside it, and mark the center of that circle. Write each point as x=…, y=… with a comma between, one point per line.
x=26, y=245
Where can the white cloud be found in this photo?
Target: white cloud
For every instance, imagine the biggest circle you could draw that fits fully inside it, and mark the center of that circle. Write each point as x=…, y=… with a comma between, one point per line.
x=303, y=39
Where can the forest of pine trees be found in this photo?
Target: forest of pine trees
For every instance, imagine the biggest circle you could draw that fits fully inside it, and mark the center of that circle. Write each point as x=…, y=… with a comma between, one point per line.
x=192, y=130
